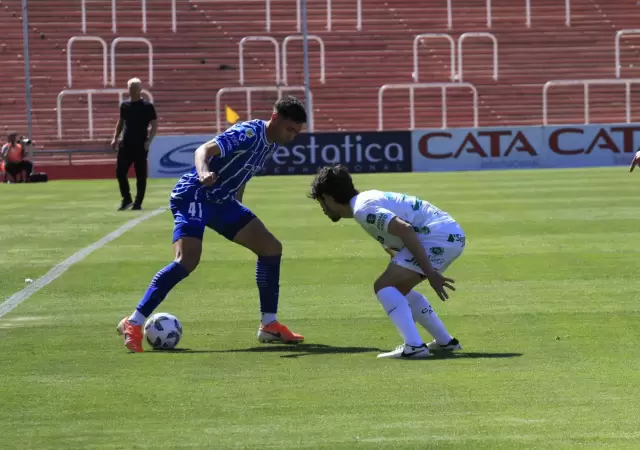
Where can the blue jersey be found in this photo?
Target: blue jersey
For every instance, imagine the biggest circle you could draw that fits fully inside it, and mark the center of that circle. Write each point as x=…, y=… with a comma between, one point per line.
x=244, y=149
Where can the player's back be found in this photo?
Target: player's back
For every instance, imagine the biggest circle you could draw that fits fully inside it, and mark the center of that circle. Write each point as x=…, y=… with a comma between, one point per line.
x=407, y=207
x=244, y=150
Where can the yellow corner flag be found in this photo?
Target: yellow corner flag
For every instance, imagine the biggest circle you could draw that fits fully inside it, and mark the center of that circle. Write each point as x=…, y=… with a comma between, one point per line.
x=232, y=116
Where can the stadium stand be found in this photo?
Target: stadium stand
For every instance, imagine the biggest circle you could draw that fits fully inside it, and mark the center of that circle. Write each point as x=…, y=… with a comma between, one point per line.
x=193, y=63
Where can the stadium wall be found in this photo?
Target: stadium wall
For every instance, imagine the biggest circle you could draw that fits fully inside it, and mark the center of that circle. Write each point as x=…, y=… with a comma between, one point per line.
x=428, y=150
x=524, y=147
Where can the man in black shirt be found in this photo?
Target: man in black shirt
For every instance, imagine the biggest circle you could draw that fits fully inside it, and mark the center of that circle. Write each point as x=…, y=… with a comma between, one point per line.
x=136, y=114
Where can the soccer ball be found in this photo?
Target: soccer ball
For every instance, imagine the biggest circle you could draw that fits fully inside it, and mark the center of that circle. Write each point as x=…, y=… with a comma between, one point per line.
x=163, y=331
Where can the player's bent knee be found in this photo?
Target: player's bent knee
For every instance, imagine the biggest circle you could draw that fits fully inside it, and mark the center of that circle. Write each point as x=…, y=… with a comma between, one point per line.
x=380, y=284
x=188, y=251
x=272, y=247
x=189, y=263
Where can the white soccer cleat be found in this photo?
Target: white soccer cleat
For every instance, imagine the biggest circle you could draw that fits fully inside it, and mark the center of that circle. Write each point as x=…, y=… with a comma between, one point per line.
x=405, y=351
x=452, y=346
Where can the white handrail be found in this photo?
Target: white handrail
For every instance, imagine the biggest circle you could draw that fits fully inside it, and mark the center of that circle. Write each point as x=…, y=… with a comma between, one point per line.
x=452, y=51
x=267, y=19
x=449, y=14
x=329, y=15
x=567, y=13
x=276, y=47
x=489, y=15
x=619, y=35
x=116, y=41
x=143, y=11
x=311, y=37
x=104, y=56
x=249, y=90
x=90, y=93
x=495, y=52
x=586, y=84
x=412, y=112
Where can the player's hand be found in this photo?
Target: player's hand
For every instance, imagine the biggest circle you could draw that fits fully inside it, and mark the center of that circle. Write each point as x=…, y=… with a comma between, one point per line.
x=635, y=162
x=207, y=178
x=114, y=144
x=439, y=282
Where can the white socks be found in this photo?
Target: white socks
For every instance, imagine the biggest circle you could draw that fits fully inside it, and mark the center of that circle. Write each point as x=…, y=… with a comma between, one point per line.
x=137, y=318
x=267, y=318
x=425, y=316
x=396, y=306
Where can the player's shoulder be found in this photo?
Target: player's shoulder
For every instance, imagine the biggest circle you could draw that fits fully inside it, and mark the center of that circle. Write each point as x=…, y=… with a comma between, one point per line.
x=367, y=198
x=250, y=130
x=365, y=201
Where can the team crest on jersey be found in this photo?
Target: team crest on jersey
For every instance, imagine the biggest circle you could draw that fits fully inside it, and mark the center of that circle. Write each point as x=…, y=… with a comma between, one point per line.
x=436, y=250
x=250, y=133
x=371, y=218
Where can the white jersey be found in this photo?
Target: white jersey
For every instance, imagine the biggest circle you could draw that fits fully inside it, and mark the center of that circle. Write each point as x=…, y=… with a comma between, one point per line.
x=374, y=210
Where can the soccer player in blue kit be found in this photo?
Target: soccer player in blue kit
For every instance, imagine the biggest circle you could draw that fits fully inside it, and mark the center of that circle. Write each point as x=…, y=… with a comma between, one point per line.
x=210, y=195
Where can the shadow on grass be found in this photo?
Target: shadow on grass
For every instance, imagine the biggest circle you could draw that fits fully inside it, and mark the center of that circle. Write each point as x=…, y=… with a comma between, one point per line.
x=295, y=351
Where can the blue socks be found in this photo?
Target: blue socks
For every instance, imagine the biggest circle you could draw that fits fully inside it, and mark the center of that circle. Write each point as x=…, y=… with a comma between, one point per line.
x=165, y=280
x=268, y=281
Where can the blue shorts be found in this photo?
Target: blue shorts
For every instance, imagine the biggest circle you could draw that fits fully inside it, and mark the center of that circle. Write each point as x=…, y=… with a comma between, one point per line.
x=191, y=217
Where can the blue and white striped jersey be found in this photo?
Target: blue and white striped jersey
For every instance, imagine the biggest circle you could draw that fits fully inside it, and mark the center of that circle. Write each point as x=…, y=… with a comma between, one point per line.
x=243, y=152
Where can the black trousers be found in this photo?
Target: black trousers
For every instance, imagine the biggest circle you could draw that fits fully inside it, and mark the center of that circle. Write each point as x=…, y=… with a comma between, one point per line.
x=137, y=157
x=19, y=170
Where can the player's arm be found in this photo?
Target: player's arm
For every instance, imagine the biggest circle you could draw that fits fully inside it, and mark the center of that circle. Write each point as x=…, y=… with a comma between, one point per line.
x=405, y=232
x=391, y=253
x=202, y=156
x=116, y=134
x=154, y=126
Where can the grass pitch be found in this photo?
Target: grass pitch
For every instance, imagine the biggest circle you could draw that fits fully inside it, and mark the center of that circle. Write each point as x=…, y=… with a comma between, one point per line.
x=546, y=309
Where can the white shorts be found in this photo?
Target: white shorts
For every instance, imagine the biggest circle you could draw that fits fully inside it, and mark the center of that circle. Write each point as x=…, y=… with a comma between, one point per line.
x=443, y=247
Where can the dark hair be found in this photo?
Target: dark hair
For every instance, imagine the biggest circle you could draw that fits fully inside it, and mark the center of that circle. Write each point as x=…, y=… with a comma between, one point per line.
x=12, y=135
x=334, y=181
x=291, y=108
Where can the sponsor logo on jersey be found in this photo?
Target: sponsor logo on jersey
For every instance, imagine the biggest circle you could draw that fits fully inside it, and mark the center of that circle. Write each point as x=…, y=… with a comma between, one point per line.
x=422, y=230
x=457, y=238
x=380, y=239
x=382, y=218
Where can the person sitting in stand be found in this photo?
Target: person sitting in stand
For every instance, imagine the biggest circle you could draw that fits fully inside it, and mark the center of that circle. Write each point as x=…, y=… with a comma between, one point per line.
x=14, y=164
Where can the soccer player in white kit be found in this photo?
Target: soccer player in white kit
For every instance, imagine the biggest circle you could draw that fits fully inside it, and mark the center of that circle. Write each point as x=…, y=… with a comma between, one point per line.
x=422, y=241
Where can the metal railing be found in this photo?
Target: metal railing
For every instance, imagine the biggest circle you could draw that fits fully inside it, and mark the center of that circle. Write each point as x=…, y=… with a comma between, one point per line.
x=70, y=42
x=527, y=9
x=311, y=37
x=619, y=35
x=586, y=84
x=246, y=39
x=464, y=36
x=329, y=15
x=412, y=112
x=249, y=90
x=143, y=11
x=116, y=41
x=90, y=93
x=452, y=51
